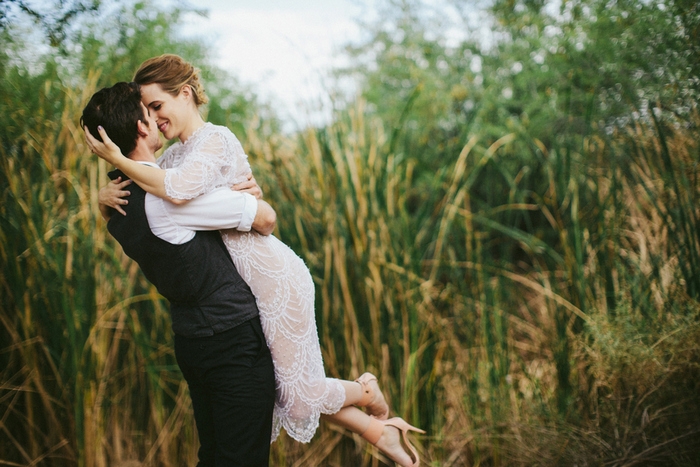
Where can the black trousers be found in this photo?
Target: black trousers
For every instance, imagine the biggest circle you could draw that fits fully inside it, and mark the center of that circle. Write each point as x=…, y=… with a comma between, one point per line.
x=232, y=385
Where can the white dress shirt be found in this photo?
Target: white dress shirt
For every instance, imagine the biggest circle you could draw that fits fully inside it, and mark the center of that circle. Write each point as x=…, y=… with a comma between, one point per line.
x=219, y=209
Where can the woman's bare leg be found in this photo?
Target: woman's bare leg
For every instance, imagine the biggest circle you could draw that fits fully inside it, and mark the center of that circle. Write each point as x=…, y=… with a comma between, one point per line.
x=357, y=421
x=353, y=392
x=365, y=392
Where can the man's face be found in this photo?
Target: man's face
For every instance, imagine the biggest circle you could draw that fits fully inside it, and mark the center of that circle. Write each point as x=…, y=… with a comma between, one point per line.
x=153, y=138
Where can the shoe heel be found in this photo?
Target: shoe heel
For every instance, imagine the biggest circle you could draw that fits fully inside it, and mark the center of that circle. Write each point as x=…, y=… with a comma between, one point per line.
x=404, y=427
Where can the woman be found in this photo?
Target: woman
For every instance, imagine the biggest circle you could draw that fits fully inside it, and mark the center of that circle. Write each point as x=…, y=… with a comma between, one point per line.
x=208, y=157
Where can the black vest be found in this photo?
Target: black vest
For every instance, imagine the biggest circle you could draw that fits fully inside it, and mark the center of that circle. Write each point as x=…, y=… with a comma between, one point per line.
x=206, y=293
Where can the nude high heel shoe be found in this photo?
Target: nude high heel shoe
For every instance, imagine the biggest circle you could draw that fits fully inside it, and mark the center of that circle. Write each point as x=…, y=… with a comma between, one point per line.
x=372, y=397
x=375, y=430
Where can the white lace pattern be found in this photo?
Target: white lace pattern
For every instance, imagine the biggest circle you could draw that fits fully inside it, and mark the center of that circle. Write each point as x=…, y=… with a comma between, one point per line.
x=213, y=157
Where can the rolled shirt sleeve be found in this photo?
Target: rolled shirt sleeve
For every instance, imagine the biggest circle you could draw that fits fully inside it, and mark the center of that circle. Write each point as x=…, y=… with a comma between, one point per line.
x=219, y=209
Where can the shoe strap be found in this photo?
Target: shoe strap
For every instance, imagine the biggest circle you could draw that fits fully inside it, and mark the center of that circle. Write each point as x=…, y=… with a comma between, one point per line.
x=374, y=431
x=367, y=392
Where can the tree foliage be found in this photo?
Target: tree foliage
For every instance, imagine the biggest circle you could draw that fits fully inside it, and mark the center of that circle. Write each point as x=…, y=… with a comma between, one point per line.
x=550, y=68
x=54, y=18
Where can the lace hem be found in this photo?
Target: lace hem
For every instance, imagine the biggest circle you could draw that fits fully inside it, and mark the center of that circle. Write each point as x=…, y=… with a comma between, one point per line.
x=303, y=429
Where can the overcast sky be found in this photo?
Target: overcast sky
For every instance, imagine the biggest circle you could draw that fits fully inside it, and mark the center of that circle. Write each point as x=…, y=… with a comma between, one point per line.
x=284, y=48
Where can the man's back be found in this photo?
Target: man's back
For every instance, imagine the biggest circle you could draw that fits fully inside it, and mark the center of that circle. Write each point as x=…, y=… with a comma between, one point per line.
x=206, y=293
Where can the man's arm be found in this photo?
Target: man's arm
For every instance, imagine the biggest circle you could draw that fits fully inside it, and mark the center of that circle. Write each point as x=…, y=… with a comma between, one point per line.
x=217, y=210
x=265, y=219
x=105, y=211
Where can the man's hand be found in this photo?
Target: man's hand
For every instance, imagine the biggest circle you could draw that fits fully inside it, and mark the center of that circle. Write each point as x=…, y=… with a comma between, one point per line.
x=250, y=186
x=265, y=218
x=112, y=195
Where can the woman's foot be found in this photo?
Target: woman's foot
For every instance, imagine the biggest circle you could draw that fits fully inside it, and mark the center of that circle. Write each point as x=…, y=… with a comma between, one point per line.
x=388, y=435
x=372, y=397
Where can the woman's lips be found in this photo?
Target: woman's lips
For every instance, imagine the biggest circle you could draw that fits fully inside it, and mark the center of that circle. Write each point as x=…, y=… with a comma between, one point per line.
x=162, y=126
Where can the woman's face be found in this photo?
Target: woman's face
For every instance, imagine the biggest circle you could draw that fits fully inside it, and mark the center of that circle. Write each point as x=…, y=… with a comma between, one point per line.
x=172, y=113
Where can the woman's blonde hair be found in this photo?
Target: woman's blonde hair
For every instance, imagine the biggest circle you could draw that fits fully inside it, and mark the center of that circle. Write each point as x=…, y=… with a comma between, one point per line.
x=172, y=73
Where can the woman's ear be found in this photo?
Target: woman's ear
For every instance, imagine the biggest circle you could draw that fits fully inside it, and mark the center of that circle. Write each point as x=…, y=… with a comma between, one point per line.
x=186, y=91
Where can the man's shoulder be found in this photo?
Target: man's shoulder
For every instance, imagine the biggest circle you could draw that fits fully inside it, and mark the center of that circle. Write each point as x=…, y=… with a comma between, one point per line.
x=134, y=188
x=116, y=173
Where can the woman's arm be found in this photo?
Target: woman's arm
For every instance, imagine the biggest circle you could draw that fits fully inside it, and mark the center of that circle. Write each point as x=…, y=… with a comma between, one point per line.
x=150, y=179
x=190, y=180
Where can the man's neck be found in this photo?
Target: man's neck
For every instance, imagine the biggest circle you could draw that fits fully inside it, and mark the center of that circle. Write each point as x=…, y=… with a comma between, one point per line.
x=142, y=154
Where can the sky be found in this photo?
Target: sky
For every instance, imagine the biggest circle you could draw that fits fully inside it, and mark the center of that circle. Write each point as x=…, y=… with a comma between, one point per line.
x=283, y=48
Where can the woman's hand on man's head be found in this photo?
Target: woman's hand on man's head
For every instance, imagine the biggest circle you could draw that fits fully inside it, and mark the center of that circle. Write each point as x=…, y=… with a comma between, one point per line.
x=105, y=149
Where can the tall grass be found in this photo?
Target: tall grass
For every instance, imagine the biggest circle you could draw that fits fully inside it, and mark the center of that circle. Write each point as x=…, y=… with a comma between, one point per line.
x=87, y=374
x=526, y=305
x=485, y=313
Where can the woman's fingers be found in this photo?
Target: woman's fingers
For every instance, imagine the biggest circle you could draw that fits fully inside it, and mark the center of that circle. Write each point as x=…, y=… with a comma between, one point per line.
x=105, y=138
x=105, y=149
x=95, y=145
x=89, y=139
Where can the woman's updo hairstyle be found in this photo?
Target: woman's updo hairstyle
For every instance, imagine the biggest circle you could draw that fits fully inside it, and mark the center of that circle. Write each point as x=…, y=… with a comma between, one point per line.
x=172, y=73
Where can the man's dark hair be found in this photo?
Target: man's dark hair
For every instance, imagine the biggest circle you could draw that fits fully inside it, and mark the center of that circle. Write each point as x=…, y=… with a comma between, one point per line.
x=118, y=109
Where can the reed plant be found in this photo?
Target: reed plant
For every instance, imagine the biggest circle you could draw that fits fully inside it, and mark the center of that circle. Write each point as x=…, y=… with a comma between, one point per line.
x=87, y=374
x=525, y=304
x=482, y=293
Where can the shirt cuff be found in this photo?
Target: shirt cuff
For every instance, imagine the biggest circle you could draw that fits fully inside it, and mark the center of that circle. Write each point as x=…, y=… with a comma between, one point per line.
x=249, y=211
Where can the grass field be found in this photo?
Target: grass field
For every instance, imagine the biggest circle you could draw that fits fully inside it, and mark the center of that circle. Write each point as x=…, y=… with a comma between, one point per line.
x=526, y=305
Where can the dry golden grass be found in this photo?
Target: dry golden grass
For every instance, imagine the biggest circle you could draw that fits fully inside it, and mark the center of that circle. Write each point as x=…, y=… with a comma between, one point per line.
x=574, y=348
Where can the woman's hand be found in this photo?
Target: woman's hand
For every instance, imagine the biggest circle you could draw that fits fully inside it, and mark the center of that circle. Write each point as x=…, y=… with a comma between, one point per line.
x=112, y=194
x=249, y=186
x=105, y=149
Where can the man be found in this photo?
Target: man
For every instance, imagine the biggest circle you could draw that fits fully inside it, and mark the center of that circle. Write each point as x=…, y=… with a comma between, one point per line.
x=219, y=344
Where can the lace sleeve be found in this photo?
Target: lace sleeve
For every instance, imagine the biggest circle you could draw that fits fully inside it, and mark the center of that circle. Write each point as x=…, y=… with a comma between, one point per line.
x=205, y=166
x=165, y=160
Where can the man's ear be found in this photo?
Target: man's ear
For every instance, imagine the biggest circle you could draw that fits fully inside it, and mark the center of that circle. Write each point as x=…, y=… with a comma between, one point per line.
x=142, y=128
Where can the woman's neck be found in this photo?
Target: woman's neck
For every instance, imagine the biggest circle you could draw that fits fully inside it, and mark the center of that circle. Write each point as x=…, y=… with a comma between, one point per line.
x=194, y=124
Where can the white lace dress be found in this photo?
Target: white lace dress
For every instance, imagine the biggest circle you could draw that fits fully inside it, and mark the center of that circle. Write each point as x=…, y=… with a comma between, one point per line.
x=213, y=157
